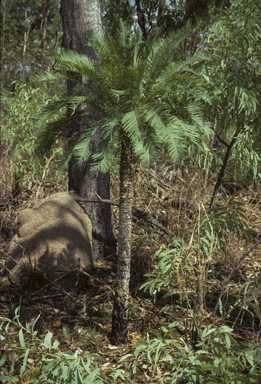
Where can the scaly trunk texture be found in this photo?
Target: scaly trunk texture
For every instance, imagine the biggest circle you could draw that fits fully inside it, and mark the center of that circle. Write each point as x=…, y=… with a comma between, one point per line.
x=121, y=298
x=80, y=17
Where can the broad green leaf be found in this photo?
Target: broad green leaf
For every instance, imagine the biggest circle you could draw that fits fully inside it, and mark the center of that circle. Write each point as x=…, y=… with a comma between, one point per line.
x=47, y=340
x=240, y=379
x=3, y=360
x=92, y=376
x=207, y=331
x=21, y=338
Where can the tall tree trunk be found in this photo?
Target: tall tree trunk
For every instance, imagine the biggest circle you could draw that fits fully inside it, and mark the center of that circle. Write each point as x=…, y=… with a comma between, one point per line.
x=121, y=298
x=161, y=12
x=80, y=17
x=141, y=19
x=161, y=7
x=26, y=36
x=45, y=11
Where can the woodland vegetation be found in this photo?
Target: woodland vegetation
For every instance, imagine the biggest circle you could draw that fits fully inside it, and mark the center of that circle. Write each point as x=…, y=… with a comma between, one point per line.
x=173, y=92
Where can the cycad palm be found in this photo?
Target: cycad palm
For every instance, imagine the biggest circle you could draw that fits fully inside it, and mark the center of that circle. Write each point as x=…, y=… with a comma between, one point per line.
x=139, y=99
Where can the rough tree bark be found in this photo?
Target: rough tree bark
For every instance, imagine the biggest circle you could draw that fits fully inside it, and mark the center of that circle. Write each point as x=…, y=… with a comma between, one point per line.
x=121, y=297
x=26, y=36
x=80, y=17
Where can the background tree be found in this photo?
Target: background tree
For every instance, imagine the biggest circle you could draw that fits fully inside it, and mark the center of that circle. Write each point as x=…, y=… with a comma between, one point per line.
x=80, y=18
x=26, y=36
x=192, y=17
x=23, y=51
x=115, y=10
x=168, y=15
x=144, y=109
x=44, y=15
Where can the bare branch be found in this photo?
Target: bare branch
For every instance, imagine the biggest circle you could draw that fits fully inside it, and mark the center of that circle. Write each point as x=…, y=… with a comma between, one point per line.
x=135, y=213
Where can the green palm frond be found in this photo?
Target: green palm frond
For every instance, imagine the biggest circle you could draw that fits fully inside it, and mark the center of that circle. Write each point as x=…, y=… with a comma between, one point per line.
x=82, y=148
x=146, y=154
x=135, y=90
x=131, y=125
x=103, y=157
x=75, y=62
x=52, y=76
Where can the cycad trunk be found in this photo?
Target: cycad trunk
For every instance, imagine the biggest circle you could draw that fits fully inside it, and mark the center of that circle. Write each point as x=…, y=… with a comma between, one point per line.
x=80, y=17
x=121, y=298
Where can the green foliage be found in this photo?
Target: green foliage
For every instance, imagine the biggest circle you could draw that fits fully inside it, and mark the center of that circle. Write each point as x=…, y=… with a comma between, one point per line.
x=173, y=15
x=112, y=12
x=18, y=133
x=170, y=270
x=179, y=268
x=56, y=367
x=227, y=219
x=134, y=90
x=248, y=296
x=216, y=359
x=234, y=70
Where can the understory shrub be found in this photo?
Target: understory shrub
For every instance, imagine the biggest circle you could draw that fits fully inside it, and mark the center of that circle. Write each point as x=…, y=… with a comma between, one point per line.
x=205, y=354
x=18, y=134
x=56, y=366
x=216, y=359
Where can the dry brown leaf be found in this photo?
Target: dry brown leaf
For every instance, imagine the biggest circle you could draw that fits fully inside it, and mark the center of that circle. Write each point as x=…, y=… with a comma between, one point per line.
x=57, y=323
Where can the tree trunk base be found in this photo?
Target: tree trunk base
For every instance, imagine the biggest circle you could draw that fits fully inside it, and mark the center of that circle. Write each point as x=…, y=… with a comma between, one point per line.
x=119, y=322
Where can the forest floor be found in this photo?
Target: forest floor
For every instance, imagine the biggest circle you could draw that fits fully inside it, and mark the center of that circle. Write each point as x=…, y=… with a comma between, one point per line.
x=80, y=317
